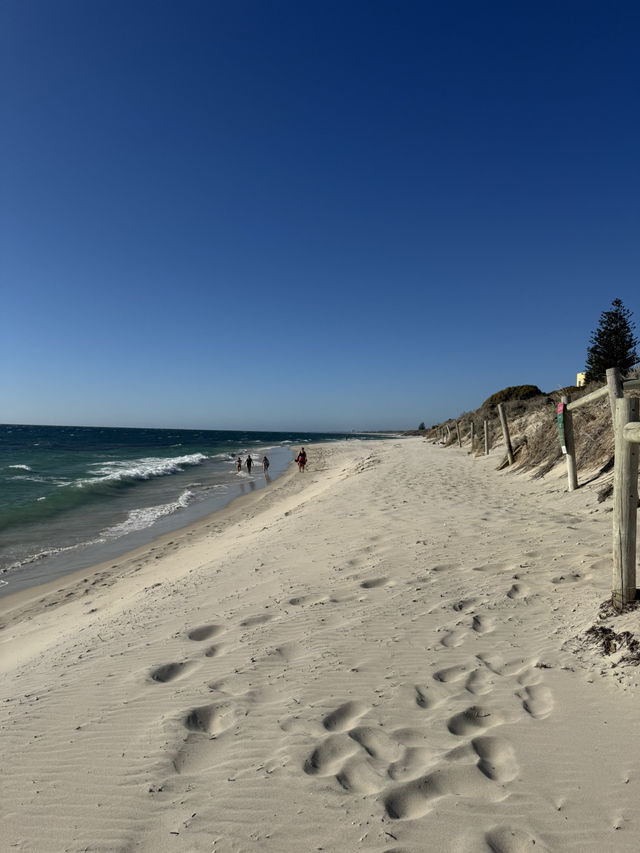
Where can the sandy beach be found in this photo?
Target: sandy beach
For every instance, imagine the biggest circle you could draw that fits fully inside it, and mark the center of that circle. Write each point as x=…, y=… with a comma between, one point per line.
x=386, y=653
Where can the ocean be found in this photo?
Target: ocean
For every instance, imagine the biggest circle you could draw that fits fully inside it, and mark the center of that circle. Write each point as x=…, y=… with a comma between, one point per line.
x=71, y=497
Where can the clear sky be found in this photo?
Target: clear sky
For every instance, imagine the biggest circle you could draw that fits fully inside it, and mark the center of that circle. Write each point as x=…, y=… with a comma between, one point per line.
x=285, y=214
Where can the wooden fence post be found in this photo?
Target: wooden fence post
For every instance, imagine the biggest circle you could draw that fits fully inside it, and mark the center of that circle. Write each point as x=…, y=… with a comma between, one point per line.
x=625, y=505
x=486, y=437
x=505, y=432
x=472, y=435
x=458, y=434
x=614, y=384
x=572, y=473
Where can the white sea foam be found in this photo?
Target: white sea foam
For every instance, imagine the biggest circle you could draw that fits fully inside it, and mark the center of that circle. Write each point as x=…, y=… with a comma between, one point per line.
x=139, y=519
x=22, y=467
x=49, y=552
x=140, y=469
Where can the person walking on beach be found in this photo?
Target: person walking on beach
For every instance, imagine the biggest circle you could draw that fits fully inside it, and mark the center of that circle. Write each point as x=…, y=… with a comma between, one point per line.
x=265, y=464
x=239, y=464
x=301, y=459
x=249, y=463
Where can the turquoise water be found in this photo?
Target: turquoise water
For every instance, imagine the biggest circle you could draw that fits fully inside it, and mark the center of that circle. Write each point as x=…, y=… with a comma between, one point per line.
x=73, y=496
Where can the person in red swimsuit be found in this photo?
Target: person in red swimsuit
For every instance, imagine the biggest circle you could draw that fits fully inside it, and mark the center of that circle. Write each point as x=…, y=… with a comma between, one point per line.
x=301, y=459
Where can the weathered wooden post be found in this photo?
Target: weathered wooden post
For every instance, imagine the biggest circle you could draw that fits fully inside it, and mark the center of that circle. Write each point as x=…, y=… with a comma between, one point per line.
x=486, y=437
x=565, y=432
x=614, y=384
x=625, y=501
x=505, y=432
x=472, y=435
x=448, y=432
x=458, y=434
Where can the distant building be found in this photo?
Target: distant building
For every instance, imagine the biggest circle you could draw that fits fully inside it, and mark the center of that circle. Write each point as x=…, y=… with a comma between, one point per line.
x=580, y=379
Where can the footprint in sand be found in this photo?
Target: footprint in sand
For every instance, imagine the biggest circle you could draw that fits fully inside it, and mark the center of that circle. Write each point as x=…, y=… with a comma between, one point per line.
x=479, y=682
x=375, y=582
x=416, y=799
x=575, y=577
x=358, y=776
x=530, y=677
x=426, y=696
x=345, y=716
x=205, y=632
x=496, y=758
x=453, y=639
x=443, y=567
x=170, y=671
x=211, y=719
x=496, y=763
x=537, y=700
x=328, y=758
x=205, y=725
x=415, y=760
x=483, y=624
x=476, y=717
x=451, y=673
x=300, y=600
x=364, y=758
x=464, y=604
x=518, y=590
x=377, y=743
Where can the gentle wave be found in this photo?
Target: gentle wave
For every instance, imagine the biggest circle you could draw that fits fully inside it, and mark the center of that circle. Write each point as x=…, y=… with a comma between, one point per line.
x=21, y=467
x=49, y=552
x=139, y=519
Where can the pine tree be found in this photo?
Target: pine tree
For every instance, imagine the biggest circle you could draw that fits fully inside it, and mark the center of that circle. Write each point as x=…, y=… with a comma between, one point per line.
x=612, y=344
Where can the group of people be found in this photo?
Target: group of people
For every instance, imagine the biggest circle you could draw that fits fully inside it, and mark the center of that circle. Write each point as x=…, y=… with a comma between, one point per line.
x=301, y=459
x=249, y=464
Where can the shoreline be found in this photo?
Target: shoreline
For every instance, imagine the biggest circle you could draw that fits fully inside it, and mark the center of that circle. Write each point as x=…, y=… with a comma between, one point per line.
x=391, y=647
x=84, y=556
x=109, y=571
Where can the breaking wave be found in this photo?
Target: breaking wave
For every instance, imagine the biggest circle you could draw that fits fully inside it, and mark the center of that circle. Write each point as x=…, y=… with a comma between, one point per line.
x=139, y=519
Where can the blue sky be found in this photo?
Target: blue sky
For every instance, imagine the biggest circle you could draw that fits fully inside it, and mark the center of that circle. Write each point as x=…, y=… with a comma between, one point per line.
x=309, y=215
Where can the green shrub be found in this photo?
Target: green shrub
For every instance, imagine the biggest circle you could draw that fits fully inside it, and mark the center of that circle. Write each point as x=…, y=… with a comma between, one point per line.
x=513, y=392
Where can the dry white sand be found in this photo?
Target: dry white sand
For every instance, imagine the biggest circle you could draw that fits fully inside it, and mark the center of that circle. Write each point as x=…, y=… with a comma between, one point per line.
x=382, y=654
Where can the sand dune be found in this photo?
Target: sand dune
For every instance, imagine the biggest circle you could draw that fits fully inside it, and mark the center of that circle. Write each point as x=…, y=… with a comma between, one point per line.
x=387, y=653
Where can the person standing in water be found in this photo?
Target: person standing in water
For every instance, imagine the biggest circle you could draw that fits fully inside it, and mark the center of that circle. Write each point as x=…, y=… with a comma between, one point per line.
x=249, y=463
x=301, y=459
x=265, y=464
x=239, y=464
